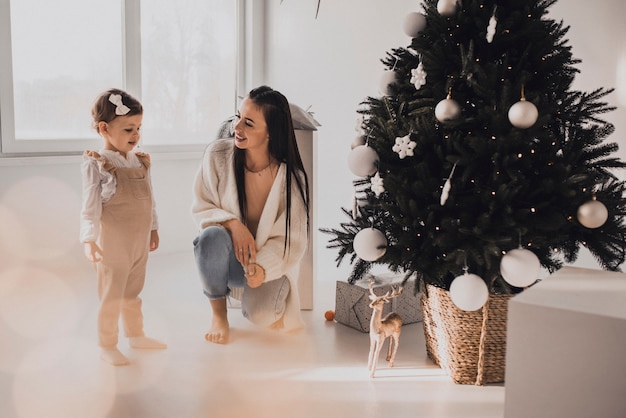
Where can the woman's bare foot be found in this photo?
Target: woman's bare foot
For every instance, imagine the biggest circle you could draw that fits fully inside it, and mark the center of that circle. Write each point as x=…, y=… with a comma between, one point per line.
x=219, y=331
x=220, y=328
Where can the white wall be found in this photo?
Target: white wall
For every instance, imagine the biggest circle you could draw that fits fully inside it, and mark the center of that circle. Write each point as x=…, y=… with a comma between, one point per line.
x=333, y=63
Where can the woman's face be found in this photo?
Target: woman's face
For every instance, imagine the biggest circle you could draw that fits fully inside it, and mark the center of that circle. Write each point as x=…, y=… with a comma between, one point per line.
x=250, y=127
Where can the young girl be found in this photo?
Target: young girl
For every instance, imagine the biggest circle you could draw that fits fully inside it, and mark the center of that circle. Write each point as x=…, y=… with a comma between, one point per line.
x=118, y=221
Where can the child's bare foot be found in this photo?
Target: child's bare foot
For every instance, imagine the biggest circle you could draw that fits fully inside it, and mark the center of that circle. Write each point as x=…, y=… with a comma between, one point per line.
x=113, y=356
x=219, y=331
x=146, y=342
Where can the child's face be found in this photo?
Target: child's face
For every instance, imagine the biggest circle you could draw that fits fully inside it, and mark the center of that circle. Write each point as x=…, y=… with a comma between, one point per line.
x=250, y=127
x=122, y=133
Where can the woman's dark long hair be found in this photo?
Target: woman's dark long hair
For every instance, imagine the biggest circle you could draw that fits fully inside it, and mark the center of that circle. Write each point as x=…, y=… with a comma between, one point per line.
x=282, y=147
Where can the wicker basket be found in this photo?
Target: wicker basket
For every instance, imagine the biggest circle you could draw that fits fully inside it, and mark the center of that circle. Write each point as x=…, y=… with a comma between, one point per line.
x=469, y=346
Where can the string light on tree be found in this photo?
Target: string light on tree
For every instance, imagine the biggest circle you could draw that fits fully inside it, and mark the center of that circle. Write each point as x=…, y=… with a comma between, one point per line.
x=523, y=114
x=592, y=214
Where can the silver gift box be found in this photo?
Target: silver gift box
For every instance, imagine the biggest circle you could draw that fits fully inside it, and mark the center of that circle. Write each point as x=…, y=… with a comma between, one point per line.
x=352, y=301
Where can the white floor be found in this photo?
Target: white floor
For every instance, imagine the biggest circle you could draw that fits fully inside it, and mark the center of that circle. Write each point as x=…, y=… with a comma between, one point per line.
x=49, y=364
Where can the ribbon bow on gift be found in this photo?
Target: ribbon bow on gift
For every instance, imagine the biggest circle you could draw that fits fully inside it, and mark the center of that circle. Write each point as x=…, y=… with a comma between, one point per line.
x=120, y=108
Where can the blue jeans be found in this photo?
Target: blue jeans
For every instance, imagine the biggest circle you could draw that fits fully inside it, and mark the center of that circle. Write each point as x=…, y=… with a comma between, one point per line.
x=220, y=271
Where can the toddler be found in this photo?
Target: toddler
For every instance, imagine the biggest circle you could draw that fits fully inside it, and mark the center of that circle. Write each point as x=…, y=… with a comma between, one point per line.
x=118, y=221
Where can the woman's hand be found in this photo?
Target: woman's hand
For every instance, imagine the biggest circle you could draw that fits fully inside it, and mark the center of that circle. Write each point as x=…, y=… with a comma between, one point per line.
x=255, y=275
x=92, y=252
x=243, y=242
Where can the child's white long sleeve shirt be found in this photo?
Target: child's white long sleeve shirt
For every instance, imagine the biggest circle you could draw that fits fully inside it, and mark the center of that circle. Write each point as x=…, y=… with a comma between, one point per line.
x=99, y=186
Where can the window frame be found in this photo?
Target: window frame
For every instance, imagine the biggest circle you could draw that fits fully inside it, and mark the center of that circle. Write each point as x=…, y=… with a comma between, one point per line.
x=132, y=80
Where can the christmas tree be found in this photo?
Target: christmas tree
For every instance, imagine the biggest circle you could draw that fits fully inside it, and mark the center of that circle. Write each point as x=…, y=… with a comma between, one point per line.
x=479, y=157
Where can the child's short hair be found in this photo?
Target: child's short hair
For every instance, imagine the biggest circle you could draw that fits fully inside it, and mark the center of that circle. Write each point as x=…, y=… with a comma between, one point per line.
x=113, y=103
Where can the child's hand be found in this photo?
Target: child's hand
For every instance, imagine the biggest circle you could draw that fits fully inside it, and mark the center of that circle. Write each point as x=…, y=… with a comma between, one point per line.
x=92, y=252
x=255, y=275
x=154, y=240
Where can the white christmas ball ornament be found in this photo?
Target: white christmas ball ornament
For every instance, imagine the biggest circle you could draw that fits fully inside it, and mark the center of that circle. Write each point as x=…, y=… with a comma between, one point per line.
x=446, y=7
x=520, y=267
x=363, y=161
x=388, y=78
x=469, y=292
x=523, y=114
x=447, y=110
x=370, y=244
x=593, y=214
x=414, y=23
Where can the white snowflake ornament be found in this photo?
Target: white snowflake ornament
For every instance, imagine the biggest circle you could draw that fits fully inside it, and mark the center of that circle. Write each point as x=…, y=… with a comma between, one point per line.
x=418, y=76
x=404, y=146
x=377, y=184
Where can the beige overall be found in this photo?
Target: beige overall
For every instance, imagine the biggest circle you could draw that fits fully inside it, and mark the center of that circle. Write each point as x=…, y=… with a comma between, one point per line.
x=125, y=241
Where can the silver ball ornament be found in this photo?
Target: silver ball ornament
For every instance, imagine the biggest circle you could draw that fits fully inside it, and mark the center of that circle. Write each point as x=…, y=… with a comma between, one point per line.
x=446, y=8
x=520, y=267
x=592, y=214
x=363, y=161
x=414, y=23
x=523, y=114
x=447, y=110
x=469, y=292
x=370, y=244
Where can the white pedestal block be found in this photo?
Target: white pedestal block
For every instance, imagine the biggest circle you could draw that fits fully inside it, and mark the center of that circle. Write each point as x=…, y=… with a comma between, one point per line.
x=307, y=145
x=566, y=347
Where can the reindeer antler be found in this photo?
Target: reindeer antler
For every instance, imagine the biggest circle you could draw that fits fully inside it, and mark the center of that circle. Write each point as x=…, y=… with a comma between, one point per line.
x=394, y=292
x=371, y=288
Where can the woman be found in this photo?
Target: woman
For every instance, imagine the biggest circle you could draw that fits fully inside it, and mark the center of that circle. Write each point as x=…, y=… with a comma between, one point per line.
x=251, y=203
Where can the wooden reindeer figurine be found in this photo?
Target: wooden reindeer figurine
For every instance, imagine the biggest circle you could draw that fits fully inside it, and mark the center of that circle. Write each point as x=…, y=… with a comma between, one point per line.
x=380, y=328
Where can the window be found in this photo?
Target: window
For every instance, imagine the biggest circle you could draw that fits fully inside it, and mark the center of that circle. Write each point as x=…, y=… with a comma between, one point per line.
x=178, y=58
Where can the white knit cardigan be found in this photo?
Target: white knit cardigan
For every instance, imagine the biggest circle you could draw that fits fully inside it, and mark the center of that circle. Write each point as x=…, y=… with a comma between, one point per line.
x=215, y=201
